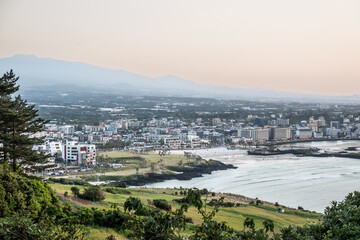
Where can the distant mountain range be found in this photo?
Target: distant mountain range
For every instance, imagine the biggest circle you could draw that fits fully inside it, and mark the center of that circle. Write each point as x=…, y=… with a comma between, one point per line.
x=49, y=73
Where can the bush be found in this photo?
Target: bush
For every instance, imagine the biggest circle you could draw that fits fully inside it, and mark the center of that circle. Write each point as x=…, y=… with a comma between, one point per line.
x=215, y=202
x=28, y=196
x=162, y=204
x=189, y=220
x=213, y=194
x=75, y=191
x=67, y=181
x=204, y=191
x=93, y=193
x=117, y=191
x=112, y=218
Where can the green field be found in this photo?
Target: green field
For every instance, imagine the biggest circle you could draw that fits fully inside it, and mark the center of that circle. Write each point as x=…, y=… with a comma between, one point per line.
x=234, y=216
x=152, y=157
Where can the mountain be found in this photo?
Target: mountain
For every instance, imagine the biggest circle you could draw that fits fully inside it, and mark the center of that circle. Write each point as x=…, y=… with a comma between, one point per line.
x=49, y=73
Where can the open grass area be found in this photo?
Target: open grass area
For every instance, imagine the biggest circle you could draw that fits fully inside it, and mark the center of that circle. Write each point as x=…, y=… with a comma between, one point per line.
x=152, y=157
x=234, y=216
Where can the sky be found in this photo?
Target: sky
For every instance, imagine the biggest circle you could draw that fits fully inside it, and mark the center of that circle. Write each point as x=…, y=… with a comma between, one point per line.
x=307, y=46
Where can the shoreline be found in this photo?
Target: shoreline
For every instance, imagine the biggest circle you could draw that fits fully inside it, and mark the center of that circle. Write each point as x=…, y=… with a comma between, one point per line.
x=314, y=140
x=187, y=172
x=180, y=173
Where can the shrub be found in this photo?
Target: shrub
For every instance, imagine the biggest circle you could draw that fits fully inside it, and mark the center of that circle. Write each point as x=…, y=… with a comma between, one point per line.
x=117, y=191
x=75, y=191
x=67, y=181
x=162, y=204
x=204, y=191
x=28, y=196
x=117, y=184
x=93, y=193
x=215, y=202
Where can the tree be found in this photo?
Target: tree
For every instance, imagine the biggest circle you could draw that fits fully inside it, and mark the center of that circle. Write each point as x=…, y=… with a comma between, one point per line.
x=249, y=222
x=7, y=87
x=75, y=191
x=18, y=120
x=268, y=225
x=93, y=193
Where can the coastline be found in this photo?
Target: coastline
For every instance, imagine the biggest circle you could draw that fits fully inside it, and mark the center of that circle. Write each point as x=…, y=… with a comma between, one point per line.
x=187, y=172
x=180, y=173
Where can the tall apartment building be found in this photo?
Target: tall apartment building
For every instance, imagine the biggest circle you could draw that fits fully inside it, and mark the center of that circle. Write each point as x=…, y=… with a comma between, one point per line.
x=256, y=134
x=76, y=153
x=279, y=133
x=303, y=133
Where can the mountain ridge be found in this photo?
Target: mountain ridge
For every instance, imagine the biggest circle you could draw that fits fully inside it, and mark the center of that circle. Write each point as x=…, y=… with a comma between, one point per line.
x=36, y=71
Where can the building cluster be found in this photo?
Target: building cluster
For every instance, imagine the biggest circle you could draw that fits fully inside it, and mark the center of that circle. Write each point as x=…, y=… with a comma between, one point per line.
x=77, y=146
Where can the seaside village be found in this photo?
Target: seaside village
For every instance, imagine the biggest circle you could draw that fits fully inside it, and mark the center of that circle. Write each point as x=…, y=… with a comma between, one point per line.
x=71, y=146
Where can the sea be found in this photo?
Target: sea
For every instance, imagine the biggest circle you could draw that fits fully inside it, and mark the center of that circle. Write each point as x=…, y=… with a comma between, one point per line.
x=310, y=182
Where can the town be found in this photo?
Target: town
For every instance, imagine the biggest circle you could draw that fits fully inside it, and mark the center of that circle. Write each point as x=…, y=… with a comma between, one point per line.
x=257, y=124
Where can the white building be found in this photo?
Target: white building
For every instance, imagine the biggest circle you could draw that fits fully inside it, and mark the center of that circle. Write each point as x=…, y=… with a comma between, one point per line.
x=280, y=133
x=194, y=141
x=332, y=132
x=53, y=147
x=172, y=142
x=304, y=133
x=256, y=134
x=77, y=153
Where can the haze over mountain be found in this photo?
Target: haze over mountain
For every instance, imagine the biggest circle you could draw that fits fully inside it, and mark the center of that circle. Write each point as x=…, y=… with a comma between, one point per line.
x=54, y=74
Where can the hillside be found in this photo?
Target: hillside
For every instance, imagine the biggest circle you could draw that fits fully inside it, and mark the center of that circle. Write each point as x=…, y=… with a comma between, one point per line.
x=234, y=216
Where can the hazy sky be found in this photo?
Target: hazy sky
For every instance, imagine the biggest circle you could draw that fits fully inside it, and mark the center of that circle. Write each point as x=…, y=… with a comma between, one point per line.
x=301, y=46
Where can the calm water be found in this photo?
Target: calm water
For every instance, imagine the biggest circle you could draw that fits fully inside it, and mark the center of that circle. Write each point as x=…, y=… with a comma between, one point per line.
x=292, y=181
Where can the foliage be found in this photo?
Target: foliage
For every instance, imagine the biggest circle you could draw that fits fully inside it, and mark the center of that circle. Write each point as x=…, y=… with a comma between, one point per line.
x=162, y=204
x=17, y=120
x=215, y=202
x=19, y=227
x=342, y=219
x=75, y=191
x=117, y=191
x=23, y=195
x=93, y=193
x=68, y=181
x=29, y=209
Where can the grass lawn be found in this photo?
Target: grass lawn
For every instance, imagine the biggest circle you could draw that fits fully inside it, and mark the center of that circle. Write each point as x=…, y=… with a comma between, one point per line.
x=234, y=216
x=168, y=160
